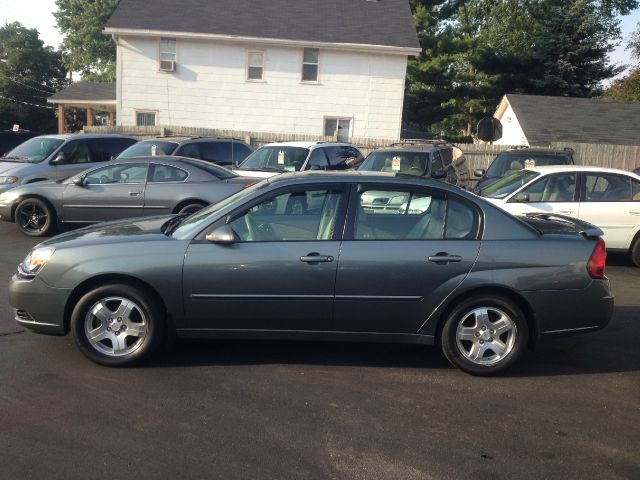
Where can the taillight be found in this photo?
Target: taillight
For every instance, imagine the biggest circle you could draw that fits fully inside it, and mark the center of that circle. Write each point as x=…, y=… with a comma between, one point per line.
x=595, y=265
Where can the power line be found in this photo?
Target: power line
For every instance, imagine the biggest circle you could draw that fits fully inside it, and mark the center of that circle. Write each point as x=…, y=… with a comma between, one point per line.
x=27, y=103
x=29, y=86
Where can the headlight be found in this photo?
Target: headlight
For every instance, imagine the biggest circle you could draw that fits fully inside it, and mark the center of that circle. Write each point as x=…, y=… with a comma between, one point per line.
x=8, y=180
x=34, y=262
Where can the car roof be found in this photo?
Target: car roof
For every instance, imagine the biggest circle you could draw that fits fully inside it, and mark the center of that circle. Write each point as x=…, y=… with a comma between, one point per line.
x=180, y=140
x=66, y=136
x=540, y=151
x=306, y=144
x=548, y=169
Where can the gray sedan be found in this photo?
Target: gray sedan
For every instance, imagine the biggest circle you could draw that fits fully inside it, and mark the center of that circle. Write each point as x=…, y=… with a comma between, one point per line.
x=135, y=187
x=449, y=269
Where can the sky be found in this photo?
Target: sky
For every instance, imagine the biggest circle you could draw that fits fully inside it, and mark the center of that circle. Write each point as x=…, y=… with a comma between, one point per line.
x=39, y=14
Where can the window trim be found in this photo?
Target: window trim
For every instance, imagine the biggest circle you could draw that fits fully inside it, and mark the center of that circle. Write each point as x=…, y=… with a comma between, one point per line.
x=160, y=52
x=262, y=79
x=317, y=64
x=155, y=114
x=338, y=118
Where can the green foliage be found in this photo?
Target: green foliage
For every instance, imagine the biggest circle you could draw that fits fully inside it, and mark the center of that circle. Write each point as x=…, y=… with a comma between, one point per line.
x=475, y=51
x=626, y=89
x=86, y=49
x=29, y=73
x=634, y=43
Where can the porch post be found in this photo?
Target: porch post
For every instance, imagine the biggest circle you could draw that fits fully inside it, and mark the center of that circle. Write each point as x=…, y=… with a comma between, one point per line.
x=112, y=119
x=89, y=117
x=60, y=118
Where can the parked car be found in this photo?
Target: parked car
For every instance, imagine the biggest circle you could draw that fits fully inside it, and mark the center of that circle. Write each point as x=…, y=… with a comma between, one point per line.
x=54, y=157
x=227, y=152
x=637, y=171
x=464, y=274
x=10, y=139
x=141, y=186
x=511, y=161
x=275, y=158
x=437, y=160
x=605, y=197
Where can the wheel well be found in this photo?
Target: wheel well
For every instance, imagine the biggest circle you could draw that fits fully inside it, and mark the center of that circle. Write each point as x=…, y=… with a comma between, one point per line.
x=26, y=197
x=189, y=201
x=636, y=238
x=529, y=315
x=34, y=180
x=100, y=280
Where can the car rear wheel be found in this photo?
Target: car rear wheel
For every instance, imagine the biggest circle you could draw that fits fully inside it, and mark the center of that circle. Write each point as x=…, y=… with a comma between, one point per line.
x=635, y=252
x=35, y=218
x=484, y=334
x=117, y=325
x=190, y=208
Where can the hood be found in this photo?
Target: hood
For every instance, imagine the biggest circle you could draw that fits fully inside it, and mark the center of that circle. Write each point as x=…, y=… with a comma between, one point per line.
x=12, y=168
x=120, y=231
x=484, y=183
x=256, y=174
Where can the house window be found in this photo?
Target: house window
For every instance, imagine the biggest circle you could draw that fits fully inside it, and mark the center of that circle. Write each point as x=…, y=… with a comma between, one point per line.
x=337, y=126
x=145, y=119
x=167, y=53
x=255, y=66
x=310, y=65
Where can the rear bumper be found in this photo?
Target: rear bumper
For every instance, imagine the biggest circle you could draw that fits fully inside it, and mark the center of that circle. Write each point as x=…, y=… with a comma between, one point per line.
x=38, y=306
x=570, y=312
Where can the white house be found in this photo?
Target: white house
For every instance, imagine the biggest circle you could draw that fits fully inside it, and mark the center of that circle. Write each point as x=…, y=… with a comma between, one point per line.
x=541, y=120
x=293, y=66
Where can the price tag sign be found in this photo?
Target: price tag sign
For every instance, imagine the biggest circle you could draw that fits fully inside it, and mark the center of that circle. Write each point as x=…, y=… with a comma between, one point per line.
x=16, y=127
x=529, y=163
x=154, y=150
x=281, y=157
x=395, y=164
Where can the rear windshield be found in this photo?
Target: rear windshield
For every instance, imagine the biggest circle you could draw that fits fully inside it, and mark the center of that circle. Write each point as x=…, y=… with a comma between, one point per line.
x=506, y=163
x=411, y=163
x=276, y=158
x=149, y=148
x=509, y=184
x=35, y=150
x=213, y=169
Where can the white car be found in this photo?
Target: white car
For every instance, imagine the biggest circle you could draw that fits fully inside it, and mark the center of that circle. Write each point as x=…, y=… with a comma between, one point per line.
x=605, y=197
x=275, y=158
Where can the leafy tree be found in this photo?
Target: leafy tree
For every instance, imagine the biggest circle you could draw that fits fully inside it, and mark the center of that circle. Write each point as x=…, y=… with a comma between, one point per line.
x=87, y=50
x=29, y=73
x=634, y=43
x=626, y=89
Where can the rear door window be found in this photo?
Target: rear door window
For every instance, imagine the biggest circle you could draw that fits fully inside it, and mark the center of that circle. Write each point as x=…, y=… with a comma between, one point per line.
x=106, y=149
x=607, y=188
x=190, y=150
x=167, y=173
x=219, y=151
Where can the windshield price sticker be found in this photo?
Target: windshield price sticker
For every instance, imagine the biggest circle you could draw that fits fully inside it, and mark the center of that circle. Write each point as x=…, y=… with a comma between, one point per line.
x=154, y=150
x=281, y=157
x=529, y=163
x=395, y=164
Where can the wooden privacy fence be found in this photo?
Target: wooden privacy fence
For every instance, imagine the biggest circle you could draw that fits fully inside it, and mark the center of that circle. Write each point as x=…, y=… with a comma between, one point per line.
x=624, y=157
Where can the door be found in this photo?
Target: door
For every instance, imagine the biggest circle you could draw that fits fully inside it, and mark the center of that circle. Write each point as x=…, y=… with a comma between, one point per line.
x=554, y=193
x=396, y=265
x=278, y=275
x=108, y=193
x=608, y=201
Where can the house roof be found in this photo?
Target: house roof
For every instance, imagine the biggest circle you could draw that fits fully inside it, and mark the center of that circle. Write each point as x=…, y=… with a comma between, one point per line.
x=382, y=23
x=86, y=92
x=582, y=120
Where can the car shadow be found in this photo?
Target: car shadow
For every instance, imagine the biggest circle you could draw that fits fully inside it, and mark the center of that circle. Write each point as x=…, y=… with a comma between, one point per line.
x=611, y=350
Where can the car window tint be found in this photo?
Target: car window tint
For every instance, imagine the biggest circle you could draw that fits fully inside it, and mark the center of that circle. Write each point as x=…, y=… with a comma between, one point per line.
x=105, y=149
x=76, y=151
x=118, y=173
x=462, y=220
x=607, y=188
x=294, y=216
x=447, y=156
x=553, y=188
x=318, y=159
x=219, y=151
x=240, y=152
x=191, y=150
x=343, y=157
x=398, y=215
x=437, y=162
x=167, y=173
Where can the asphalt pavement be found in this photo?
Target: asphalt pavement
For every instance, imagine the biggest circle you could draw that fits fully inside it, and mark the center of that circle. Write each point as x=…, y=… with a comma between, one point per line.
x=288, y=410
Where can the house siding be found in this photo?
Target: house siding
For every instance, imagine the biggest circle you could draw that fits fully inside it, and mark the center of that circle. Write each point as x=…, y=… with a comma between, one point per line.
x=209, y=88
x=512, y=133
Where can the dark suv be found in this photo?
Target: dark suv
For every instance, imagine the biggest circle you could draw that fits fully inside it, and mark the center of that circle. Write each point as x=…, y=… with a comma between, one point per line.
x=10, y=139
x=432, y=159
x=517, y=159
x=227, y=152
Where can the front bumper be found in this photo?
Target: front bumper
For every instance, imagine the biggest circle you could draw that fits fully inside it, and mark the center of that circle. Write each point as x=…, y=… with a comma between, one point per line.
x=38, y=306
x=5, y=212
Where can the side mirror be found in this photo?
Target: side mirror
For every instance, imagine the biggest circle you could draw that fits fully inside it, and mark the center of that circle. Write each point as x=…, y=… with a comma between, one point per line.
x=439, y=174
x=223, y=235
x=78, y=181
x=59, y=159
x=521, y=198
x=479, y=173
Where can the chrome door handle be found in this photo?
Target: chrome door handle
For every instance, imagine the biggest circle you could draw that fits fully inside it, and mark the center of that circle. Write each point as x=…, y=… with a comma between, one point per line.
x=134, y=194
x=316, y=258
x=566, y=212
x=442, y=258
x=635, y=212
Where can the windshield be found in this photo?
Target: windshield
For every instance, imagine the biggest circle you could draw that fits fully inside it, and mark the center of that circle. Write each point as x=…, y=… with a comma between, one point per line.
x=506, y=163
x=410, y=163
x=196, y=222
x=35, y=150
x=509, y=184
x=276, y=158
x=148, y=148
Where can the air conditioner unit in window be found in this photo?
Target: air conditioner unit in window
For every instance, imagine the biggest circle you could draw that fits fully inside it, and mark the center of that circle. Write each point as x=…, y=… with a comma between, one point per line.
x=168, y=65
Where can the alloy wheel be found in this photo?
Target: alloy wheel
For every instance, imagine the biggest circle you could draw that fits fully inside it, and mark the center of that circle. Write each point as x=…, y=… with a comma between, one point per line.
x=486, y=335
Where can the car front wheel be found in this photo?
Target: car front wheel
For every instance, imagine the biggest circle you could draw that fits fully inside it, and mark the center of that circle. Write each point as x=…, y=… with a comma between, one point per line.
x=35, y=218
x=484, y=334
x=635, y=252
x=117, y=325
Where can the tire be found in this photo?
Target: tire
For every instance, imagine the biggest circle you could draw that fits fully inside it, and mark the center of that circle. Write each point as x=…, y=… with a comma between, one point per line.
x=191, y=207
x=35, y=218
x=635, y=252
x=471, y=341
x=121, y=308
